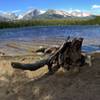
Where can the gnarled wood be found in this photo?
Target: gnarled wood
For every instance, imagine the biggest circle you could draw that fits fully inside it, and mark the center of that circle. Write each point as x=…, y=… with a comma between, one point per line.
x=68, y=54
x=31, y=67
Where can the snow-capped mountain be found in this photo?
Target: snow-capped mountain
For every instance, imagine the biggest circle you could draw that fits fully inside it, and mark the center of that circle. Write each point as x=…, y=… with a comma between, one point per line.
x=3, y=19
x=7, y=16
x=30, y=14
x=53, y=14
x=41, y=14
x=58, y=12
x=67, y=13
x=80, y=14
x=64, y=14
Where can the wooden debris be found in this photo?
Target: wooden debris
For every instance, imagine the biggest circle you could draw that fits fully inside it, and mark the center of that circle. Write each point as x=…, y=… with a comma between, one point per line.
x=68, y=55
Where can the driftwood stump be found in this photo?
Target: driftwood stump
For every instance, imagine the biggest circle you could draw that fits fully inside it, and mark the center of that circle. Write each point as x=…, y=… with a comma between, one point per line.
x=68, y=55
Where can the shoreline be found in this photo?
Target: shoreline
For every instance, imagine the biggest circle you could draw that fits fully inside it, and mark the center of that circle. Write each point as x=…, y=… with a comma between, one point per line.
x=50, y=22
x=43, y=26
x=15, y=47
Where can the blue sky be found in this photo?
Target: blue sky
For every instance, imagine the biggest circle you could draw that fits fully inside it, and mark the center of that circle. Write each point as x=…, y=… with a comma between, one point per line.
x=21, y=5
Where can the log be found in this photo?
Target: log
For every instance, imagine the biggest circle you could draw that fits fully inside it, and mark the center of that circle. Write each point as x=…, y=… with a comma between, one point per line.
x=49, y=61
x=68, y=54
x=31, y=67
x=41, y=50
x=60, y=50
x=51, y=50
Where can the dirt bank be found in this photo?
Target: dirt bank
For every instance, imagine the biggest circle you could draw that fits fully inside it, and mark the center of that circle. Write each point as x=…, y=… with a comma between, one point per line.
x=37, y=85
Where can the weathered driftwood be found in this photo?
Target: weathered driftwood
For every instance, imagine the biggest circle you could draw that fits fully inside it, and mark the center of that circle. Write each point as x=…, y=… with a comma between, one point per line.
x=51, y=50
x=31, y=67
x=41, y=50
x=67, y=55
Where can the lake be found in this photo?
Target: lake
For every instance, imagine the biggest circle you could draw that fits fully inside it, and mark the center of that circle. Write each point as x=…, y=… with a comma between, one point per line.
x=91, y=34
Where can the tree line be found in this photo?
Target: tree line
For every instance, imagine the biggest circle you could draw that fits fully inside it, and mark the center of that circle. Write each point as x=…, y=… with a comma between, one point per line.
x=49, y=22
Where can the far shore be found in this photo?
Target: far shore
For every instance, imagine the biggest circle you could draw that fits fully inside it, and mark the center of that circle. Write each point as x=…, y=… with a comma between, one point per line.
x=50, y=22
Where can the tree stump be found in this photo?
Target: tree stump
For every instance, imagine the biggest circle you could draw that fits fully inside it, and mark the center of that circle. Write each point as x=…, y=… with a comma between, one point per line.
x=68, y=55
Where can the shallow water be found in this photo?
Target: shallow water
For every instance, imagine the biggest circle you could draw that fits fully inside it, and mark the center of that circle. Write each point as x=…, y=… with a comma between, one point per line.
x=91, y=34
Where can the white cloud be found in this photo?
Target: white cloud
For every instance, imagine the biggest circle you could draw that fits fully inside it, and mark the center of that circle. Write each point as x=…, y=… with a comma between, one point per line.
x=72, y=10
x=78, y=10
x=95, y=6
x=16, y=11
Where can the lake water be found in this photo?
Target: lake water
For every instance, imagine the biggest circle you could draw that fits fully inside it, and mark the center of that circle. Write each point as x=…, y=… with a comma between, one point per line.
x=91, y=34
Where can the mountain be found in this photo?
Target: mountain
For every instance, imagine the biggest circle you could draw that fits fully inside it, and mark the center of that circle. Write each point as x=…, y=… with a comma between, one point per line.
x=57, y=12
x=40, y=14
x=30, y=14
x=53, y=14
x=80, y=14
x=5, y=16
x=2, y=19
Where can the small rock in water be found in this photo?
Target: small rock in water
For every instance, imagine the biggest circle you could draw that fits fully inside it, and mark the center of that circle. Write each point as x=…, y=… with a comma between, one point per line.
x=40, y=53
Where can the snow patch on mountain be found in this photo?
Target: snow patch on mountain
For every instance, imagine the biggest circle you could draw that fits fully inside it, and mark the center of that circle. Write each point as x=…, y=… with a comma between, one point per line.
x=35, y=13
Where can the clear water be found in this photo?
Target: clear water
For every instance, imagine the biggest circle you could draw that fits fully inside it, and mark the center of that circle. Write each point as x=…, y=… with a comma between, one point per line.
x=42, y=33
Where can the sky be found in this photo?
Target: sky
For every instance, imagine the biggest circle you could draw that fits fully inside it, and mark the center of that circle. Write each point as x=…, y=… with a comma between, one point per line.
x=92, y=6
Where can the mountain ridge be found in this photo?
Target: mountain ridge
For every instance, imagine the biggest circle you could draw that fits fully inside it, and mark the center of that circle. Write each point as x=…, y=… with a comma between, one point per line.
x=40, y=14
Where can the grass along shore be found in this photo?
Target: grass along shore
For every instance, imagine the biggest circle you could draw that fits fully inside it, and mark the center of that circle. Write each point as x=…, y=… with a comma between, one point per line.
x=17, y=84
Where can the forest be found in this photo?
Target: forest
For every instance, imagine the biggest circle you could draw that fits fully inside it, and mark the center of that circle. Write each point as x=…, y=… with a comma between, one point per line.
x=49, y=22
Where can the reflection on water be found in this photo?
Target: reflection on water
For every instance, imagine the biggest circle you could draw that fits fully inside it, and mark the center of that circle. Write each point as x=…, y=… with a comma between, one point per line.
x=90, y=48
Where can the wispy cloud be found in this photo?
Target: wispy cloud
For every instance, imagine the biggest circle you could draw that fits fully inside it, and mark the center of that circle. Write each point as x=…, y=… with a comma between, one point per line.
x=95, y=6
x=71, y=10
x=16, y=11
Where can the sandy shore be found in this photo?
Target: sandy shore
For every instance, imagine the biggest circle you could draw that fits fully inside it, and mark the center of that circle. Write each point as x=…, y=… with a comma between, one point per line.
x=21, y=47
x=26, y=85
